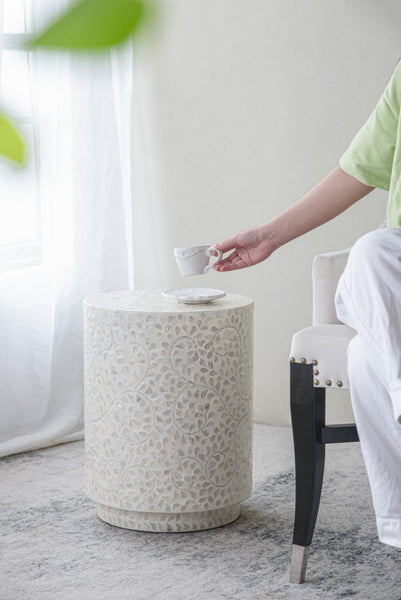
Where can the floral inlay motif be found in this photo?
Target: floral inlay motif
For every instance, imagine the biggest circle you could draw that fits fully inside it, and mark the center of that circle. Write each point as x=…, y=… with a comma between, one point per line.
x=168, y=408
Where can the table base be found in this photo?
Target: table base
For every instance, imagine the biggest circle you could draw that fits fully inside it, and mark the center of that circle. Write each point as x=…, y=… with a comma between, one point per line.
x=168, y=522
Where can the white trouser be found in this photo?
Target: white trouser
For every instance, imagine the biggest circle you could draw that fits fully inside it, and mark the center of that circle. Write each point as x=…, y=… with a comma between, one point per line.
x=368, y=298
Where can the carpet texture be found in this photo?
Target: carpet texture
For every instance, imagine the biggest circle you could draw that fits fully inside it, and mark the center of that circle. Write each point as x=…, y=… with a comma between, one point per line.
x=55, y=547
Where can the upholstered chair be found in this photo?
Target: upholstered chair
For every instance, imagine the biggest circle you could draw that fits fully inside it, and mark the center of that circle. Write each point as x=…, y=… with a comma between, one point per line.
x=318, y=360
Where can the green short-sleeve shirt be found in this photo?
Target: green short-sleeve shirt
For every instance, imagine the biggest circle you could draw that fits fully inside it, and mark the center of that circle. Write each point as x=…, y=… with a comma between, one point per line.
x=374, y=155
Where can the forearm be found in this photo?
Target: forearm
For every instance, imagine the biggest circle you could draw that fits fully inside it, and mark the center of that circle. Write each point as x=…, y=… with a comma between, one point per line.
x=331, y=196
x=336, y=192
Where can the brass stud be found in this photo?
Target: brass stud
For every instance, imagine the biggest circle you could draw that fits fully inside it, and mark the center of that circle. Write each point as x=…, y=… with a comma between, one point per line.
x=339, y=384
x=316, y=372
x=314, y=362
x=292, y=359
x=316, y=382
x=328, y=382
x=303, y=360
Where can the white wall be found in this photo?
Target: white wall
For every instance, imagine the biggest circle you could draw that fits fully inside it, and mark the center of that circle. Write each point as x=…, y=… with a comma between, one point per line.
x=240, y=107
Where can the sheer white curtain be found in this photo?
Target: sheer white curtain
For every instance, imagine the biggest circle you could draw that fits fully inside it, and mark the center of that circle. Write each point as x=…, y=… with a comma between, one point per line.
x=80, y=152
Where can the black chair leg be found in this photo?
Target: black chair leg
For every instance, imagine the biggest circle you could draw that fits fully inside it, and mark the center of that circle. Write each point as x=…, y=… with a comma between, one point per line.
x=308, y=419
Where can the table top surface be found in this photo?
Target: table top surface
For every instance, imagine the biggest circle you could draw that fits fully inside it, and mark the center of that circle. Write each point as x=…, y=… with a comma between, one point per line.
x=152, y=301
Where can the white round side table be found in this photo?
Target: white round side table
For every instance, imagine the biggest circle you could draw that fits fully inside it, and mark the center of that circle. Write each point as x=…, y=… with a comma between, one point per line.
x=168, y=409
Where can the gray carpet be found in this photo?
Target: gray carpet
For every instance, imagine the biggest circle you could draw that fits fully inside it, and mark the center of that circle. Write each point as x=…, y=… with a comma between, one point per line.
x=54, y=546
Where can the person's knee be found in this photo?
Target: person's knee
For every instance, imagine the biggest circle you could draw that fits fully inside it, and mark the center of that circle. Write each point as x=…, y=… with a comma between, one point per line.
x=371, y=245
x=369, y=250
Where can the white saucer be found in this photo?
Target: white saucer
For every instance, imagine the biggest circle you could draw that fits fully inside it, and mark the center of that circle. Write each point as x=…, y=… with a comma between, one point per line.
x=194, y=295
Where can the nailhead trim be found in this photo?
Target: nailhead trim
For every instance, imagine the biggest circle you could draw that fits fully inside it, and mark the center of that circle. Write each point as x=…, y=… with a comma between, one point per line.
x=316, y=382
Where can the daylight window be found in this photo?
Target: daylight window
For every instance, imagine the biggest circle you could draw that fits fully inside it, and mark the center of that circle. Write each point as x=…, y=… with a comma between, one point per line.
x=20, y=219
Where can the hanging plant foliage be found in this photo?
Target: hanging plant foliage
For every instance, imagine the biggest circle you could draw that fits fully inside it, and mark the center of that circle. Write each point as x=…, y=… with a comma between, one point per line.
x=11, y=143
x=92, y=24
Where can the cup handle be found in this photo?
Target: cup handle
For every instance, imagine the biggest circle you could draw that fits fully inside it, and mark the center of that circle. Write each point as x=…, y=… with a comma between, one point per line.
x=209, y=253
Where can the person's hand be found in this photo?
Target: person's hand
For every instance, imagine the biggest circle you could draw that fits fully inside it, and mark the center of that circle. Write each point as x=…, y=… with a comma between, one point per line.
x=249, y=248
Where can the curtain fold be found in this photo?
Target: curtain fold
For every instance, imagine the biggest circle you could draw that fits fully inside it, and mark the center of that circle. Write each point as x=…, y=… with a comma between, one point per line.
x=83, y=107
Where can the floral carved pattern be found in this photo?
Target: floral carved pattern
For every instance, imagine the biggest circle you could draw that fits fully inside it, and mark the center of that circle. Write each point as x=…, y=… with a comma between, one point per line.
x=168, y=408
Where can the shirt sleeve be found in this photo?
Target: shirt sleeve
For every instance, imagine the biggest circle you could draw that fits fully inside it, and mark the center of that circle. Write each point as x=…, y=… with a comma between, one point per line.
x=369, y=157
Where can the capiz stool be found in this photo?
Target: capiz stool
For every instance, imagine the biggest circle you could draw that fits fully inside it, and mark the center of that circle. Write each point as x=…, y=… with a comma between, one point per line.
x=168, y=409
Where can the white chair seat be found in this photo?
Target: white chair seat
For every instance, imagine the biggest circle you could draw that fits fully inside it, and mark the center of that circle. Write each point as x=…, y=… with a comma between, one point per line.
x=326, y=347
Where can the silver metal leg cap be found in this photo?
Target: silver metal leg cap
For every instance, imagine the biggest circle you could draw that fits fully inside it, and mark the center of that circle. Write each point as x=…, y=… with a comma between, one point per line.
x=299, y=559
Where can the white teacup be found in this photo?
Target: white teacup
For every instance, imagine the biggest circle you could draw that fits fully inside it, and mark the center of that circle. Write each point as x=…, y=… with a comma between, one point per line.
x=194, y=260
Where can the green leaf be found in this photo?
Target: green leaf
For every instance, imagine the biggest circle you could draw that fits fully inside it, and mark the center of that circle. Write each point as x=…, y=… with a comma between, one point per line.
x=92, y=24
x=11, y=143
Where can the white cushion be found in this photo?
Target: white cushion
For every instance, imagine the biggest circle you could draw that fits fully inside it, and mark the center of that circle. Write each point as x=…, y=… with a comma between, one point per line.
x=326, y=344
